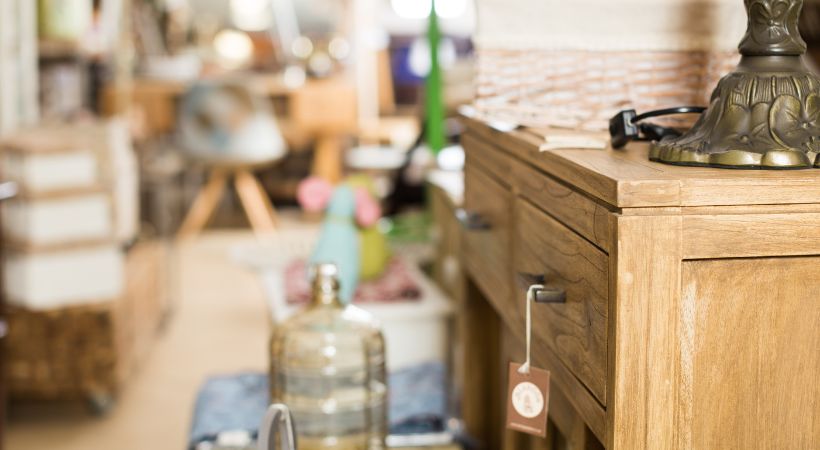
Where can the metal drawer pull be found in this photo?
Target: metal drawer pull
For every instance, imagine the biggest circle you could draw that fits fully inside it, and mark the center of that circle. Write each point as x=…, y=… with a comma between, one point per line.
x=472, y=221
x=547, y=294
x=551, y=294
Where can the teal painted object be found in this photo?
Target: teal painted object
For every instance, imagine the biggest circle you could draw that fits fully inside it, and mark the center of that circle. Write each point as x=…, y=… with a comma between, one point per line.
x=339, y=240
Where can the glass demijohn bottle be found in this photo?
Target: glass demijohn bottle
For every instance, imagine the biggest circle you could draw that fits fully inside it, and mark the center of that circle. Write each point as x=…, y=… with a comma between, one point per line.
x=328, y=367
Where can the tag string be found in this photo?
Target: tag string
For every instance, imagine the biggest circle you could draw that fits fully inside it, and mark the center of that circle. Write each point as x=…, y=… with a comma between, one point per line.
x=525, y=368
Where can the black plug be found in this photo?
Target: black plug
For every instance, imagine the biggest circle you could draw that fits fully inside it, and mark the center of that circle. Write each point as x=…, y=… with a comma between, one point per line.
x=622, y=129
x=655, y=132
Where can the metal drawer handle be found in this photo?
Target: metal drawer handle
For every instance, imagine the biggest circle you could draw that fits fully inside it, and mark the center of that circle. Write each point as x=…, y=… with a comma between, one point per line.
x=548, y=294
x=472, y=221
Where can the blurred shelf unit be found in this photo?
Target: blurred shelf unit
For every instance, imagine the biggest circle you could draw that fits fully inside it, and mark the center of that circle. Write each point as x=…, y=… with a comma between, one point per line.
x=63, y=78
x=70, y=53
x=68, y=277
x=18, y=64
x=78, y=184
x=59, y=50
x=59, y=232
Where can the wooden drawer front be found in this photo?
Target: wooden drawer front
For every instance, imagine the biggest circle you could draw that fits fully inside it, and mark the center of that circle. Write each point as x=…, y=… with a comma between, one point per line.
x=488, y=251
x=579, y=212
x=576, y=331
x=488, y=156
x=567, y=423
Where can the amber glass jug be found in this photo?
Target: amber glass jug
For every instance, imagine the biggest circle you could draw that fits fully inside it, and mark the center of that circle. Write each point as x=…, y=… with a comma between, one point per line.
x=328, y=367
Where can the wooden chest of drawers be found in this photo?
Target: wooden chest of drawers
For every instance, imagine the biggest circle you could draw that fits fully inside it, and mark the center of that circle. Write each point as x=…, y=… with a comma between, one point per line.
x=692, y=311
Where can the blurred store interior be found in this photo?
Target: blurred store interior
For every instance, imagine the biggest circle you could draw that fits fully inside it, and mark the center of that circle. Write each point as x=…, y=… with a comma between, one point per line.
x=167, y=165
x=224, y=223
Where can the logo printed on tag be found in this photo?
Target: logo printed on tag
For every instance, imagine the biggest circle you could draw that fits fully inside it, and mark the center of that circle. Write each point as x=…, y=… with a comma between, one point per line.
x=527, y=400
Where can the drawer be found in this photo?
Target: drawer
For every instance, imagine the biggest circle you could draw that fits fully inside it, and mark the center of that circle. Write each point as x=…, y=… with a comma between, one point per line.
x=488, y=156
x=487, y=250
x=568, y=420
x=575, y=330
x=579, y=212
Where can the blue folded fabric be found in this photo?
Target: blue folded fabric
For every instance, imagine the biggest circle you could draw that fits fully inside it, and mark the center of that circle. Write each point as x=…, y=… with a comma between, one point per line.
x=418, y=399
x=230, y=403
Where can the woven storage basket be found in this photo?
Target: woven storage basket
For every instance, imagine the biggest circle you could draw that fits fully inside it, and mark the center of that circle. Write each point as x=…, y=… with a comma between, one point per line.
x=576, y=63
x=88, y=351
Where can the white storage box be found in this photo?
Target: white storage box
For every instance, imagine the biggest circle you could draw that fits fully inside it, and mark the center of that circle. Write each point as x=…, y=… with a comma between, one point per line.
x=58, y=277
x=43, y=160
x=415, y=332
x=119, y=172
x=62, y=159
x=59, y=219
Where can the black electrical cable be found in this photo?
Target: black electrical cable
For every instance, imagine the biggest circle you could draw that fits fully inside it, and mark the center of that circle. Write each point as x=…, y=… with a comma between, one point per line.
x=625, y=126
x=669, y=112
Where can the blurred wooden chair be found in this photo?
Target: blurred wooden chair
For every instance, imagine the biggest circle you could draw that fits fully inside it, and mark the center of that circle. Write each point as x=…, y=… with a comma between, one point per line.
x=232, y=131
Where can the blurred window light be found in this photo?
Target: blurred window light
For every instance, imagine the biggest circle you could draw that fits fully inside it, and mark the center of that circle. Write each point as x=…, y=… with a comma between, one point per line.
x=301, y=47
x=171, y=5
x=251, y=15
x=451, y=158
x=339, y=48
x=412, y=9
x=234, y=48
x=294, y=76
x=320, y=64
x=420, y=9
x=451, y=9
x=419, y=57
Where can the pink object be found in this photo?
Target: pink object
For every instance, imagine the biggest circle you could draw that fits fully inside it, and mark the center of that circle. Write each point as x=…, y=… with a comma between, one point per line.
x=368, y=210
x=314, y=193
x=395, y=285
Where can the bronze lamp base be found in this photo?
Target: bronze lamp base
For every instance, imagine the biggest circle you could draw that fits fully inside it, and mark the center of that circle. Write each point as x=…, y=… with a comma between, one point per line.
x=765, y=114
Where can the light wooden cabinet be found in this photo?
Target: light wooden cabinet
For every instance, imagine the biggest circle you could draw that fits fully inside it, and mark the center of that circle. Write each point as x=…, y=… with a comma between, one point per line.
x=692, y=311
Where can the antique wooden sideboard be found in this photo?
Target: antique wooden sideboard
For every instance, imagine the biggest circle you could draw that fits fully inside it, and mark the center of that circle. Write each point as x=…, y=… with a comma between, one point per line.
x=692, y=311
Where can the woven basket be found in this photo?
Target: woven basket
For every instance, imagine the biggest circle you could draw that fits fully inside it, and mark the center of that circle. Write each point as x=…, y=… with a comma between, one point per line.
x=575, y=64
x=87, y=352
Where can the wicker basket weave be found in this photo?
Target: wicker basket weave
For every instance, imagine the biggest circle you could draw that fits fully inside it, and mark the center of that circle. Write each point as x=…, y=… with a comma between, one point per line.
x=577, y=89
x=87, y=352
x=532, y=70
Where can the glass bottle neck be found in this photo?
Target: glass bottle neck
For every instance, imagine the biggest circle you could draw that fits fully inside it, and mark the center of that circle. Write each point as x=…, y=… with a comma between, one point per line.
x=325, y=299
x=325, y=286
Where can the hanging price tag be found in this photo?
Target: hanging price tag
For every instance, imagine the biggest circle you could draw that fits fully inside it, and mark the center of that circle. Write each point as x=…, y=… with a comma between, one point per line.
x=528, y=388
x=529, y=396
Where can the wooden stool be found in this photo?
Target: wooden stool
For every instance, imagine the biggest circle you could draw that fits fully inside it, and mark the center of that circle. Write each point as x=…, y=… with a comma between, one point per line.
x=258, y=207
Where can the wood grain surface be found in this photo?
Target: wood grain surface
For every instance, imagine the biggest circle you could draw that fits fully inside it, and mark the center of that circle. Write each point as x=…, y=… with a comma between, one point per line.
x=641, y=400
x=575, y=330
x=577, y=211
x=751, y=235
x=751, y=354
x=482, y=405
x=489, y=251
x=692, y=312
x=567, y=429
x=626, y=178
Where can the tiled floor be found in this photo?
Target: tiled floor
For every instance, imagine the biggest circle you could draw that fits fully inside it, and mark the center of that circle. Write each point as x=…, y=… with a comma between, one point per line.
x=219, y=326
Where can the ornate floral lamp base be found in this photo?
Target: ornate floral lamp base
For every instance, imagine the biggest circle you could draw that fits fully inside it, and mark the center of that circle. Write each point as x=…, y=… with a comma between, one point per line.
x=765, y=114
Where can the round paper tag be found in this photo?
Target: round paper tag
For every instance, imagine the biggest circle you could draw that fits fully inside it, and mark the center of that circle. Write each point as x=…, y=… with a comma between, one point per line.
x=527, y=400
